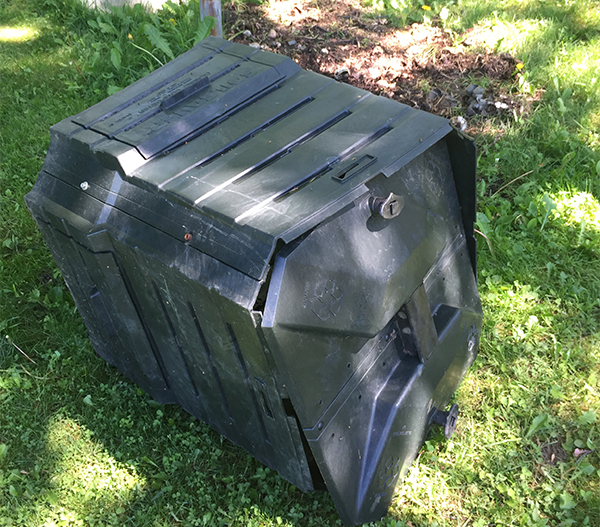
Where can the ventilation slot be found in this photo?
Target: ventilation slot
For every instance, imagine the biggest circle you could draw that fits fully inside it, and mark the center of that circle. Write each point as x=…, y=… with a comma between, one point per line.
x=265, y=399
x=200, y=131
x=146, y=326
x=203, y=163
x=294, y=144
x=174, y=335
x=315, y=474
x=345, y=173
x=102, y=312
x=209, y=358
x=355, y=168
x=154, y=88
x=443, y=317
x=244, y=369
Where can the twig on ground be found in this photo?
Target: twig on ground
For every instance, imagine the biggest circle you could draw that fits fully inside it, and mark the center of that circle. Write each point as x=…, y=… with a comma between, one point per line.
x=24, y=354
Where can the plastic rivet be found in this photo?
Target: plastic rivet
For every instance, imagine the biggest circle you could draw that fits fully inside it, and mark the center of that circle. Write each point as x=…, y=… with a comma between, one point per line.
x=471, y=344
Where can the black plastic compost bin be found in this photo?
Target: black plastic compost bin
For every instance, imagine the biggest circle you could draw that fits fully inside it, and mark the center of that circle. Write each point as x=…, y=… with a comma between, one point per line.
x=289, y=258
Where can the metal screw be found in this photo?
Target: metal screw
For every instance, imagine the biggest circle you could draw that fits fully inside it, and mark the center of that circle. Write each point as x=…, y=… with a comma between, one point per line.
x=188, y=237
x=85, y=185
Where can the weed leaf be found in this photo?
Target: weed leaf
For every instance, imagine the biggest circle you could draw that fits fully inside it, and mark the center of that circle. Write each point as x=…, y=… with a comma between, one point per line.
x=106, y=28
x=541, y=421
x=115, y=58
x=157, y=40
x=587, y=418
x=549, y=205
x=204, y=29
x=483, y=223
x=51, y=497
x=168, y=5
x=566, y=501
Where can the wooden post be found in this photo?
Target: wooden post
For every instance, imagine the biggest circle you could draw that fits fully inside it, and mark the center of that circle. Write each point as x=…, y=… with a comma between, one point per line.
x=213, y=8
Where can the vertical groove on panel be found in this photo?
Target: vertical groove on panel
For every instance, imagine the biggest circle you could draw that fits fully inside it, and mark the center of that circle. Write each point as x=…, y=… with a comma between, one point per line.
x=206, y=349
x=174, y=335
x=144, y=322
x=248, y=383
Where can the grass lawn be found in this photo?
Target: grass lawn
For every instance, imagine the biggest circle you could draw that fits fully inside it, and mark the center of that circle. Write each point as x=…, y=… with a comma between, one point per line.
x=81, y=445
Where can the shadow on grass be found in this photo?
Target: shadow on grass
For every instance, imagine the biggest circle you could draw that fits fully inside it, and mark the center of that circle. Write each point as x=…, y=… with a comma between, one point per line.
x=86, y=446
x=89, y=445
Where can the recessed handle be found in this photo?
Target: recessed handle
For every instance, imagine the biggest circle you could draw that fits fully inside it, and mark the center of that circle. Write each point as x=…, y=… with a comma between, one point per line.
x=184, y=94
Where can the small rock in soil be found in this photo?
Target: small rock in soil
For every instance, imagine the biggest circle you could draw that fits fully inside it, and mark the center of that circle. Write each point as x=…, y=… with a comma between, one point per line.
x=434, y=95
x=272, y=34
x=291, y=43
x=459, y=122
x=325, y=50
x=247, y=33
x=341, y=74
x=254, y=45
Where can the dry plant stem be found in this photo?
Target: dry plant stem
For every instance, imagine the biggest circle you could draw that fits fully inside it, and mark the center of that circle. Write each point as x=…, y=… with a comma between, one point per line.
x=487, y=240
x=510, y=183
x=24, y=354
x=34, y=376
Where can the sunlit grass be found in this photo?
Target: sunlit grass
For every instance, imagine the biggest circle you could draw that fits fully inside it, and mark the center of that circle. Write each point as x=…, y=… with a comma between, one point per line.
x=88, y=484
x=579, y=209
x=16, y=34
x=83, y=466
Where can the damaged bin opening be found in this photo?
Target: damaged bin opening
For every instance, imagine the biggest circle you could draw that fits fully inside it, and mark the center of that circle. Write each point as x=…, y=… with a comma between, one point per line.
x=289, y=258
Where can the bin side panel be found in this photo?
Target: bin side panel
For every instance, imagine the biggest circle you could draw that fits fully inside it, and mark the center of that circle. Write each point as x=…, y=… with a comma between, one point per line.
x=339, y=286
x=216, y=363
x=367, y=383
x=367, y=446
x=380, y=419
x=112, y=319
x=158, y=310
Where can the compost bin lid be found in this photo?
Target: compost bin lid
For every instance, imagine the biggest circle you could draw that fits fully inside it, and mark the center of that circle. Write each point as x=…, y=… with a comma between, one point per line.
x=247, y=137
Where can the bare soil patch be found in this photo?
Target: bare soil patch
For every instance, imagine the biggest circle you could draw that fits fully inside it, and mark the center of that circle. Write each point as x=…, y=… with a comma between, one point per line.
x=552, y=453
x=418, y=65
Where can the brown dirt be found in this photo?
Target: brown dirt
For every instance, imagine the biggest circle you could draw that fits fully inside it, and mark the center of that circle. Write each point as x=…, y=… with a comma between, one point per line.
x=418, y=65
x=552, y=453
